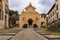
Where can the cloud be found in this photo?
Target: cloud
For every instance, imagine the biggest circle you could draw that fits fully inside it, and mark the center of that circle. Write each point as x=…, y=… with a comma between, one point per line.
x=42, y=6
x=47, y=2
x=18, y=5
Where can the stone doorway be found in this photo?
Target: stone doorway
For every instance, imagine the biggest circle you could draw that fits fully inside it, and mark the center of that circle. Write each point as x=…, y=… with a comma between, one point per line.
x=30, y=23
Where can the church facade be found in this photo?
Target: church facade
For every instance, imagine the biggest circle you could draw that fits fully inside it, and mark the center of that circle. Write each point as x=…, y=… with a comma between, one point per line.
x=29, y=17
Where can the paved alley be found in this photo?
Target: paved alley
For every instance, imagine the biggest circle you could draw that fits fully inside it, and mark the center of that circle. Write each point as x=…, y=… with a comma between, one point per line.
x=28, y=34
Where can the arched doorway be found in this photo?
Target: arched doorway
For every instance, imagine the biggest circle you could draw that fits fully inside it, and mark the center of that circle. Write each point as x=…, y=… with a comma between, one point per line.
x=35, y=26
x=25, y=26
x=30, y=22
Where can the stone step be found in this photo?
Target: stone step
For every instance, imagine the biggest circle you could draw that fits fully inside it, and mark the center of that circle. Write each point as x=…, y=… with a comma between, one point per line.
x=45, y=33
x=52, y=37
x=11, y=34
x=13, y=31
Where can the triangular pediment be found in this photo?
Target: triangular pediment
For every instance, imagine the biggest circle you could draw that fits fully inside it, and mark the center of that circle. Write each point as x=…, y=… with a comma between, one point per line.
x=30, y=6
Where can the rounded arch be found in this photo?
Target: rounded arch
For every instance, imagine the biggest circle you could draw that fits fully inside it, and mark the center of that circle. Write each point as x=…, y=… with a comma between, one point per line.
x=25, y=26
x=35, y=25
x=30, y=21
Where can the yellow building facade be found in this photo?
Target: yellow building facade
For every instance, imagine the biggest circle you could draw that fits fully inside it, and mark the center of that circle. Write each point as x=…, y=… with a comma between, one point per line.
x=29, y=17
x=4, y=14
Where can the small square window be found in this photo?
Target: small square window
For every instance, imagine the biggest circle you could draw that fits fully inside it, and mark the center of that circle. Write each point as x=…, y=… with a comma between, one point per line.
x=36, y=18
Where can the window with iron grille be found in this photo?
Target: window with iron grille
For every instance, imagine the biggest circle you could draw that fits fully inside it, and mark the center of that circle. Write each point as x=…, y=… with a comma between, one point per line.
x=57, y=7
x=57, y=14
x=53, y=13
x=6, y=9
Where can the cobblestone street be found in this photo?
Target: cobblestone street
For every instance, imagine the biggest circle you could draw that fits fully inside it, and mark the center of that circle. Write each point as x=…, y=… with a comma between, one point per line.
x=28, y=34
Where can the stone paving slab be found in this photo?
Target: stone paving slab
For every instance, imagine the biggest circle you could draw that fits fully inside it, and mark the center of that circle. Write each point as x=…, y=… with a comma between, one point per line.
x=5, y=37
x=28, y=34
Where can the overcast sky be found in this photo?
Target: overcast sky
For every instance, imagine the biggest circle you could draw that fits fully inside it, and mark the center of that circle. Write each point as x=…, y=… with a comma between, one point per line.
x=42, y=6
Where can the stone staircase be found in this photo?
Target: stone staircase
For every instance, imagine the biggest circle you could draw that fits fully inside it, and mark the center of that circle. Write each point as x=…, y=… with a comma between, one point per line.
x=8, y=34
x=47, y=34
